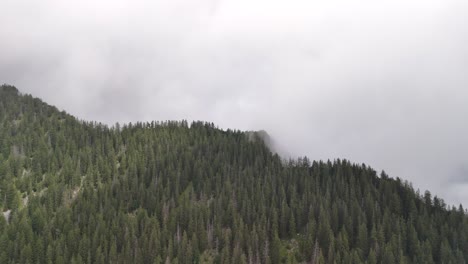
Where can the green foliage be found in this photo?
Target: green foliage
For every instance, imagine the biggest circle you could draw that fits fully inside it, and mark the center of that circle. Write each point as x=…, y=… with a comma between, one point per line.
x=173, y=192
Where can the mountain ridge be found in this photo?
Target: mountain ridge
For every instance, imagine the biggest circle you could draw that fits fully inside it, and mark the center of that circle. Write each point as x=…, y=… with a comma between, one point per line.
x=154, y=192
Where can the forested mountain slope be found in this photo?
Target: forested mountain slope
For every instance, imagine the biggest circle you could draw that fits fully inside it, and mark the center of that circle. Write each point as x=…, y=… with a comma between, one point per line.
x=169, y=192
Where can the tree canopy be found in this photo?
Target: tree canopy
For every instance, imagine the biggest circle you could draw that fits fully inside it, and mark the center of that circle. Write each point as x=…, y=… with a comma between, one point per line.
x=74, y=191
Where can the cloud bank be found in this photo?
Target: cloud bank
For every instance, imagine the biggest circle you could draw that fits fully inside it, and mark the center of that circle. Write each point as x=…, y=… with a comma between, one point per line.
x=377, y=82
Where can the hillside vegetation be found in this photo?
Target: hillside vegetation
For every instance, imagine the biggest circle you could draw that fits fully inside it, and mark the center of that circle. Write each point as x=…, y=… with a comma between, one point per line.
x=173, y=192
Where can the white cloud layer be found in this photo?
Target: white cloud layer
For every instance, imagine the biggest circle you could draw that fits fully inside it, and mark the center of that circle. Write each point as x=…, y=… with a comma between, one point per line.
x=378, y=82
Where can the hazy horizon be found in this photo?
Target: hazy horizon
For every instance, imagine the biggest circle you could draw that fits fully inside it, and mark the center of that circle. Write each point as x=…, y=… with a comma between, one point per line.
x=381, y=83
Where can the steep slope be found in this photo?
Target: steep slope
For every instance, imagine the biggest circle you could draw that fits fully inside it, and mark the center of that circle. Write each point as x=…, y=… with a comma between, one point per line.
x=79, y=192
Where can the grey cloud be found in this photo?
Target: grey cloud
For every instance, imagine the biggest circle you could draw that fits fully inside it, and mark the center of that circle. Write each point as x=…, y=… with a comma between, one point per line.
x=382, y=83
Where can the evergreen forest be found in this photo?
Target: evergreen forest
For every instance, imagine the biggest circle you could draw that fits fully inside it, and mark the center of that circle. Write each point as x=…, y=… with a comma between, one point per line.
x=74, y=191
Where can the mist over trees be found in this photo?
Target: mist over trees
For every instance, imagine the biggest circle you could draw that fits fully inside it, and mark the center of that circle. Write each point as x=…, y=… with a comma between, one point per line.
x=74, y=191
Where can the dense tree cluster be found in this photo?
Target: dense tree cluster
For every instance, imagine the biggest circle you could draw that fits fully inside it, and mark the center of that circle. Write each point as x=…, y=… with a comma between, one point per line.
x=172, y=192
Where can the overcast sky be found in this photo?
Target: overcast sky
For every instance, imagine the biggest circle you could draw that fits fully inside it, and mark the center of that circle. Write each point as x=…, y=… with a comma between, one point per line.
x=378, y=82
